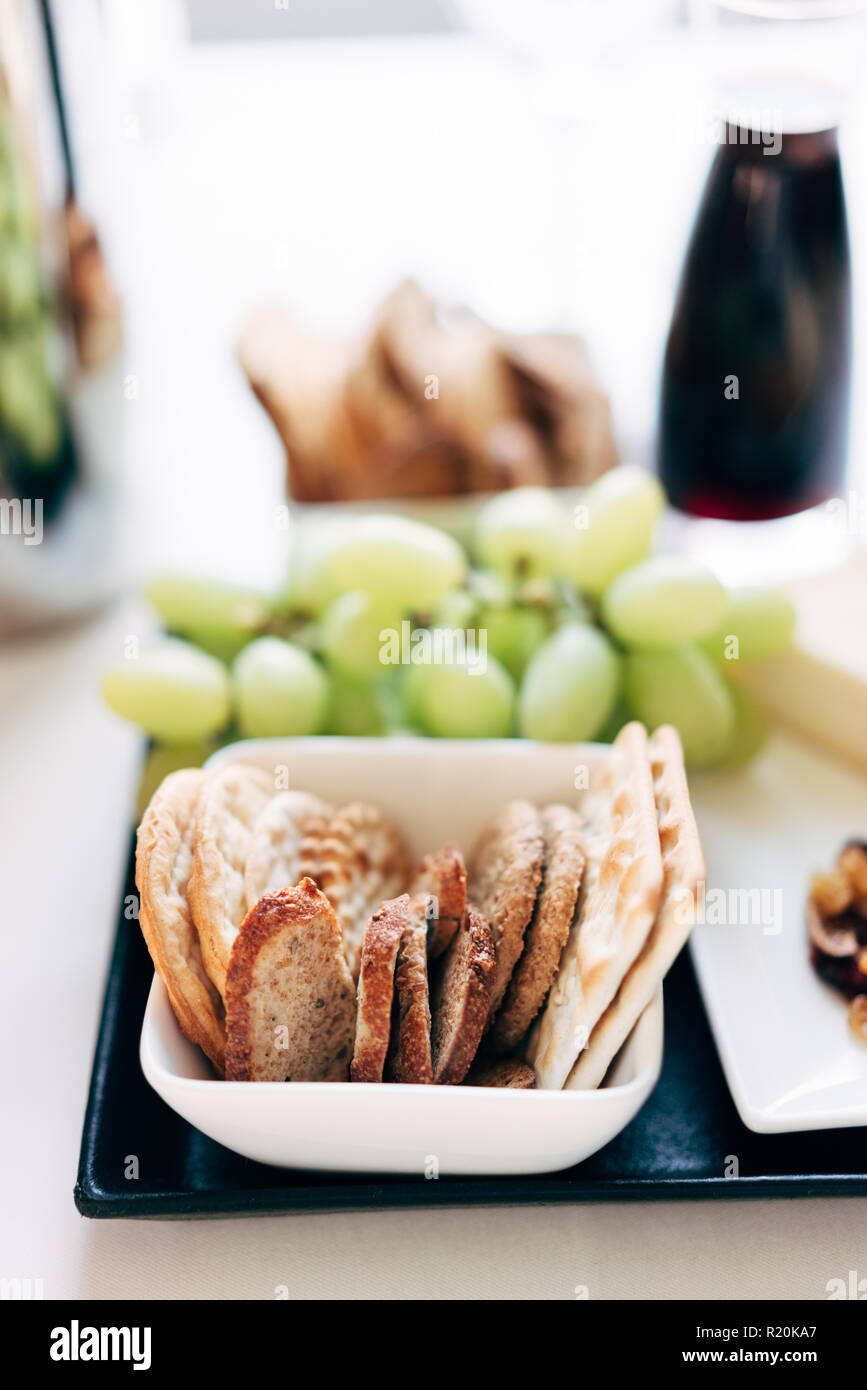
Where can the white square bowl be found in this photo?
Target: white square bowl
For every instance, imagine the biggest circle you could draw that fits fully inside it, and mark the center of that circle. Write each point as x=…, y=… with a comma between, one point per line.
x=435, y=790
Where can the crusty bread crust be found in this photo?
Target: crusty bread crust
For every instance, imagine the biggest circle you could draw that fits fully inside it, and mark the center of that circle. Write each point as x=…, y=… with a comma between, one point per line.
x=290, y=999
x=379, y=950
x=231, y=800
x=547, y=933
x=462, y=998
x=443, y=875
x=164, y=857
x=409, y=1056
x=506, y=1071
x=505, y=871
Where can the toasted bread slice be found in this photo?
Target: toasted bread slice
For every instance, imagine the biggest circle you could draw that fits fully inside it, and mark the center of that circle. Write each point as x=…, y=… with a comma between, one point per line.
x=683, y=871
x=548, y=931
x=461, y=998
x=443, y=876
x=409, y=1057
x=505, y=871
x=290, y=999
x=618, y=903
x=163, y=862
x=379, y=951
x=284, y=845
x=506, y=1071
x=231, y=800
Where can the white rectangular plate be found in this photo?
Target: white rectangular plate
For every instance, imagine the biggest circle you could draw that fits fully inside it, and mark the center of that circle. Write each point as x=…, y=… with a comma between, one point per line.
x=789, y=1057
x=436, y=790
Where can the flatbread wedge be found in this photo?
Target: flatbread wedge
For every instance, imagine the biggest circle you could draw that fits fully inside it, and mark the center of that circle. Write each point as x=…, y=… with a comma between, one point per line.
x=443, y=876
x=548, y=931
x=683, y=871
x=290, y=999
x=619, y=899
x=379, y=951
x=504, y=875
x=409, y=1055
x=163, y=862
x=230, y=802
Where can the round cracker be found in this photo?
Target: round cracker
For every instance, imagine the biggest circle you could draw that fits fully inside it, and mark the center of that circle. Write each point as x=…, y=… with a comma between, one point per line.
x=284, y=843
x=163, y=863
x=461, y=998
x=504, y=876
x=508, y=1072
x=548, y=931
x=442, y=875
x=231, y=800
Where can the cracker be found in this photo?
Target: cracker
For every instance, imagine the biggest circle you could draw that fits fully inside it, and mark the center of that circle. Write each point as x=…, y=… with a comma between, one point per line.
x=442, y=875
x=508, y=1072
x=362, y=862
x=290, y=999
x=548, y=931
x=230, y=802
x=461, y=998
x=619, y=899
x=163, y=862
x=683, y=870
x=284, y=845
x=379, y=951
x=505, y=871
x=409, y=1055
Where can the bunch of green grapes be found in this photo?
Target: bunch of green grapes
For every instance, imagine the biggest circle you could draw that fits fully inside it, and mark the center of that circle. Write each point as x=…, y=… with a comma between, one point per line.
x=554, y=627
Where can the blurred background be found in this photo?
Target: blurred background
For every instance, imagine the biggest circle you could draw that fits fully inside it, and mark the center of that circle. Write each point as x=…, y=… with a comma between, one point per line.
x=541, y=163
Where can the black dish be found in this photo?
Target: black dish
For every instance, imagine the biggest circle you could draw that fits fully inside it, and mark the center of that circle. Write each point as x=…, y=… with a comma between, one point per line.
x=686, y=1141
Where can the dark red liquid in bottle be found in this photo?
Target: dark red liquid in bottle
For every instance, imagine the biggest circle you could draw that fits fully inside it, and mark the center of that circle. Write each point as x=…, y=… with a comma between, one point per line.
x=755, y=388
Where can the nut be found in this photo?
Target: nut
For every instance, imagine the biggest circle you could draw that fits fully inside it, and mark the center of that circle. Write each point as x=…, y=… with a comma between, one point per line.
x=832, y=893
x=858, y=1017
x=853, y=863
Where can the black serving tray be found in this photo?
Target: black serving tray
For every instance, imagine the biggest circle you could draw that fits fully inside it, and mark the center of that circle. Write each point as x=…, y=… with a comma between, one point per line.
x=682, y=1144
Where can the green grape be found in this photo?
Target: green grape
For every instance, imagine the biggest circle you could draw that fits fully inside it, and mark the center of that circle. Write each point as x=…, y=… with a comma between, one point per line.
x=29, y=405
x=570, y=686
x=683, y=687
x=460, y=699
x=21, y=289
x=163, y=759
x=350, y=636
x=172, y=690
x=521, y=533
x=513, y=635
x=614, y=525
x=279, y=690
x=486, y=586
x=357, y=711
x=749, y=730
x=459, y=609
x=312, y=585
x=402, y=562
x=762, y=621
x=663, y=602
x=220, y=617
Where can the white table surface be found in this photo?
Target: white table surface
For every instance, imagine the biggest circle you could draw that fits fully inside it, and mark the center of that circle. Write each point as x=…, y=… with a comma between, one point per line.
x=206, y=229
